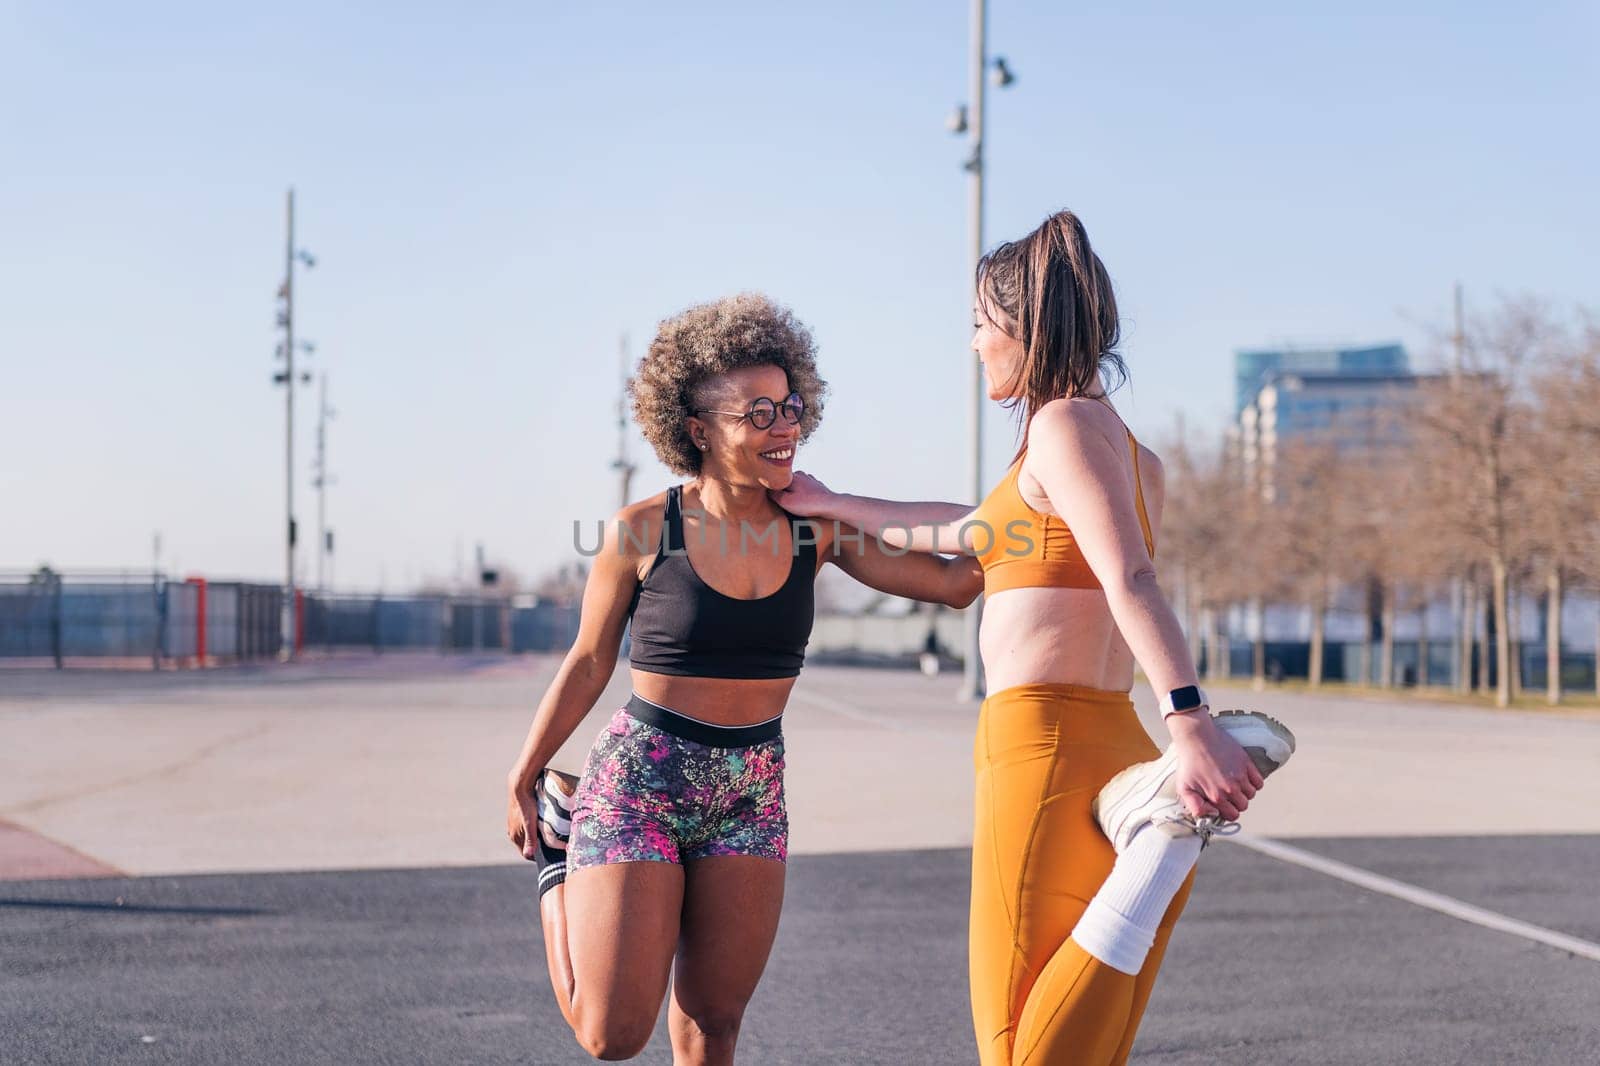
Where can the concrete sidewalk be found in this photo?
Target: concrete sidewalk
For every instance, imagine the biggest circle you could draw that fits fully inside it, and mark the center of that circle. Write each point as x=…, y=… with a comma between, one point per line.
x=400, y=762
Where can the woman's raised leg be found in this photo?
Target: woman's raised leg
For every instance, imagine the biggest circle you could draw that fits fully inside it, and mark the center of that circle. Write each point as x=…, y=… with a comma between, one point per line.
x=610, y=933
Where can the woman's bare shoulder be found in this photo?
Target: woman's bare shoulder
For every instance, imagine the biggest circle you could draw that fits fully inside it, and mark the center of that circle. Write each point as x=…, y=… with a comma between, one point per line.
x=1073, y=424
x=636, y=529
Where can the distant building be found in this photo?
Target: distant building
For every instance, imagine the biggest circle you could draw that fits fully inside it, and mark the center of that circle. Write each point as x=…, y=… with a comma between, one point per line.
x=1252, y=367
x=1345, y=397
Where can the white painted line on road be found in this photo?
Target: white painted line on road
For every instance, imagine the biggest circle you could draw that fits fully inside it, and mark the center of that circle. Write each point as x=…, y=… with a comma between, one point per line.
x=1434, y=901
x=1388, y=886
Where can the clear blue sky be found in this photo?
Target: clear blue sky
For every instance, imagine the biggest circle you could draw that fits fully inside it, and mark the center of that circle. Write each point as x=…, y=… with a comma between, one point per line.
x=496, y=192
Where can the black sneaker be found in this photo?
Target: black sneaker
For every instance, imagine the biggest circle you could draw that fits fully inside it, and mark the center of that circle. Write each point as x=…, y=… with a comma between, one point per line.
x=554, y=791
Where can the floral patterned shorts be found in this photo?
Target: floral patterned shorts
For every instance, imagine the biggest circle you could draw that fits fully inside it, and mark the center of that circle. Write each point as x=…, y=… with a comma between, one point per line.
x=649, y=793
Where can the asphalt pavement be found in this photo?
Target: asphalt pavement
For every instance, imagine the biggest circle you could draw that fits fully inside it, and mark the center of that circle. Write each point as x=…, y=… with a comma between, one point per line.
x=1272, y=964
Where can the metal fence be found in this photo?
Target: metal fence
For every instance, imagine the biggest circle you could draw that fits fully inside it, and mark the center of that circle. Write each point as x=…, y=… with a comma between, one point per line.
x=376, y=622
x=443, y=623
x=127, y=618
x=67, y=618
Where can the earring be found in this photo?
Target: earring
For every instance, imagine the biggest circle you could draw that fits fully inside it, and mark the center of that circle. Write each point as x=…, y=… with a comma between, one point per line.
x=704, y=445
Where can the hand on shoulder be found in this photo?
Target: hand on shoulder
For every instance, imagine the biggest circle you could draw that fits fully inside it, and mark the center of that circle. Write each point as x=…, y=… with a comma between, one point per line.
x=806, y=497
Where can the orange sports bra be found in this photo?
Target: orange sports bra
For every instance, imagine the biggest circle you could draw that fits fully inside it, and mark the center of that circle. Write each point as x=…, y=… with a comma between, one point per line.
x=1027, y=549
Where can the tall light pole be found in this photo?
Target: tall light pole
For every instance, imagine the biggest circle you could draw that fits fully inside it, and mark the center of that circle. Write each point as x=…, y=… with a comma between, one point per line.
x=621, y=464
x=322, y=480
x=286, y=378
x=971, y=122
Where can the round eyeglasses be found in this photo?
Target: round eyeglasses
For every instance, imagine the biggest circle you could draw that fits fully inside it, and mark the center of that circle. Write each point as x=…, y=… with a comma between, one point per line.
x=763, y=411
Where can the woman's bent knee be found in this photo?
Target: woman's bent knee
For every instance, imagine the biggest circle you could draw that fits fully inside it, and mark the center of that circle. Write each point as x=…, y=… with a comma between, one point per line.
x=613, y=1047
x=611, y=1041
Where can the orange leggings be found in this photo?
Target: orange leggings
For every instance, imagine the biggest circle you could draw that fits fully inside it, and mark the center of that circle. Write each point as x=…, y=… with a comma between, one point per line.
x=1043, y=751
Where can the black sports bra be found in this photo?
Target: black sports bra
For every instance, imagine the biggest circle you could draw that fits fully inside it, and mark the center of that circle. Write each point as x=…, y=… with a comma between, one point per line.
x=684, y=627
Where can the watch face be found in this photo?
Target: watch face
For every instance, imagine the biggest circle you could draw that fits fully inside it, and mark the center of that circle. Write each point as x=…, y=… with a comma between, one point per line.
x=1186, y=698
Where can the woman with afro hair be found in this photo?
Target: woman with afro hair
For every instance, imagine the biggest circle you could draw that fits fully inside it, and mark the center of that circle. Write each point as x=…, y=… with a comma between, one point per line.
x=665, y=858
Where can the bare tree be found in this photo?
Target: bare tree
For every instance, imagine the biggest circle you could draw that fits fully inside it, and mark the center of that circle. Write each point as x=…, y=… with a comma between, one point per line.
x=1195, y=543
x=1366, y=488
x=1565, y=489
x=1318, y=529
x=1471, y=432
x=1404, y=562
x=1247, y=564
x=1261, y=576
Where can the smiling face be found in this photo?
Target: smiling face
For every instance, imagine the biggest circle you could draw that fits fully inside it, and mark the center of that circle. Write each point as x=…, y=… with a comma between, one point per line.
x=999, y=352
x=733, y=449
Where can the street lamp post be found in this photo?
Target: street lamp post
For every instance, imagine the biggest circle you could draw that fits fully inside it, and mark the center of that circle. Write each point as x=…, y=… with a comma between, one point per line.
x=971, y=122
x=622, y=464
x=286, y=378
x=322, y=481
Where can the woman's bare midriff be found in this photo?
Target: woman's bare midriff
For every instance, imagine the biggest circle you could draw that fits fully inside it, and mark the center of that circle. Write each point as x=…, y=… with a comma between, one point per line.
x=718, y=700
x=1063, y=636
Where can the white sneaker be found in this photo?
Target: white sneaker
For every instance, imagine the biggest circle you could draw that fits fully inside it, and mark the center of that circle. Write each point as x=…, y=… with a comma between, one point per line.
x=1147, y=794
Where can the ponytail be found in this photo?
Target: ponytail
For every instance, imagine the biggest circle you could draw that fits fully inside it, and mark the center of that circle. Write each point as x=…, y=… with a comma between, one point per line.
x=1058, y=298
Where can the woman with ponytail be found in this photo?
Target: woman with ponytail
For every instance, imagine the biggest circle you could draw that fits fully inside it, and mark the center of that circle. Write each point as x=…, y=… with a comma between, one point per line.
x=1086, y=836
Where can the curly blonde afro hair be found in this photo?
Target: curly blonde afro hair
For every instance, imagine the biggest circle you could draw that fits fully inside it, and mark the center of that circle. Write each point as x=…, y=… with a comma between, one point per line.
x=711, y=339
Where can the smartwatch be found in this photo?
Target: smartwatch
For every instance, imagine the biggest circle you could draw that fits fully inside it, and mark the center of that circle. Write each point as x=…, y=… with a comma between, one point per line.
x=1182, y=700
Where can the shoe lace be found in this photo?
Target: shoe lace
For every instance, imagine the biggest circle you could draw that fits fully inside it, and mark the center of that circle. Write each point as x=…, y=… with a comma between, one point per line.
x=1206, y=827
x=1212, y=825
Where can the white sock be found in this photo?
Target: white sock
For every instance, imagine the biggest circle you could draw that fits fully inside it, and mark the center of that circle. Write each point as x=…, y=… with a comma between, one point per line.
x=1119, y=925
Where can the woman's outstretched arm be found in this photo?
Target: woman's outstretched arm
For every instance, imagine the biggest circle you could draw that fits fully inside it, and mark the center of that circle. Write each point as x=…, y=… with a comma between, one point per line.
x=954, y=582
x=939, y=528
